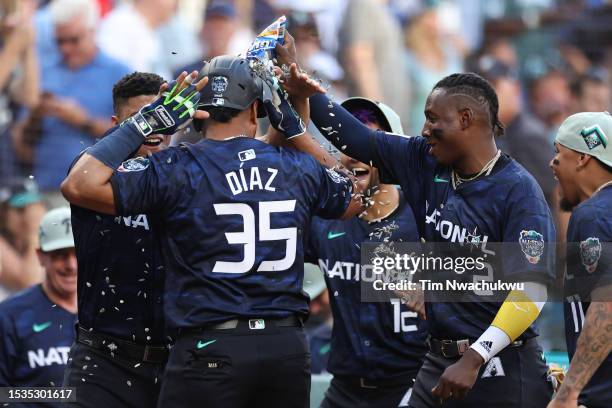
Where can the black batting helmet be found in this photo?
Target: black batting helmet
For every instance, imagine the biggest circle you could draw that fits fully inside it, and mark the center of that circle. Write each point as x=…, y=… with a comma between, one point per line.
x=231, y=83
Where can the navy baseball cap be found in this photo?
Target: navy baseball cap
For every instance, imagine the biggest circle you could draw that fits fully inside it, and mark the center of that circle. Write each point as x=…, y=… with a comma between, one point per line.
x=218, y=8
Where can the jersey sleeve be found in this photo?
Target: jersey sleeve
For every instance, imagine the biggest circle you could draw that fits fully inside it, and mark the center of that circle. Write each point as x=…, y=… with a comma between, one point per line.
x=398, y=158
x=147, y=184
x=329, y=191
x=8, y=351
x=594, y=247
x=528, y=236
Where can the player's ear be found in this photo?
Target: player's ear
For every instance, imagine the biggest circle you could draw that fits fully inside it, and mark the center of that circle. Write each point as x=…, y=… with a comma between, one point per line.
x=114, y=120
x=583, y=161
x=466, y=116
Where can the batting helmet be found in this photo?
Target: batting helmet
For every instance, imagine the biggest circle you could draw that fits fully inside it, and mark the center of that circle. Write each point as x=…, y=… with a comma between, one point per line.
x=231, y=84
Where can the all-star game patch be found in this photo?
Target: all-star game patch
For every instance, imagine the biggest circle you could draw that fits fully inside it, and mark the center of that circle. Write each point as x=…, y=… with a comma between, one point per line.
x=594, y=136
x=135, y=164
x=532, y=245
x=590, y=252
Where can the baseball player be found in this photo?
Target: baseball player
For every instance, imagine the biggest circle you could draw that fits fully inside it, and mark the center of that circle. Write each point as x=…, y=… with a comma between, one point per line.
x=377, y=348
x=232, y=211
x=583, y=166
x=461, y=187
x=37, y=324
x=121, y=351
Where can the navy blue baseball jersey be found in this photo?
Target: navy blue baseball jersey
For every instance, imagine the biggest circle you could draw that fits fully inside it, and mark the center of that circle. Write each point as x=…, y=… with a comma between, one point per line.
x=507, y=206
x=589, y=265
x=232, y=217
x=374, y=340
x=36, y=336
x=121, y=275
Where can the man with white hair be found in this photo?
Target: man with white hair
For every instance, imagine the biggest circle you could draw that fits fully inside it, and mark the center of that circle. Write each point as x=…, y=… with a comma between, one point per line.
x=72, y=114
x=37, y=325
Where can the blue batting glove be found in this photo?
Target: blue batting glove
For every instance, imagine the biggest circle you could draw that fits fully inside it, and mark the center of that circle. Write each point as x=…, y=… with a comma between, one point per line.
x=281, y=114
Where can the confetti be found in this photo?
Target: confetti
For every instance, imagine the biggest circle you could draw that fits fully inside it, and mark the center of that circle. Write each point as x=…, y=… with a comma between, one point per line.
x=136, y=365
x=129, y=383
x=88, y=284
x=169, y=160
x=31, y=177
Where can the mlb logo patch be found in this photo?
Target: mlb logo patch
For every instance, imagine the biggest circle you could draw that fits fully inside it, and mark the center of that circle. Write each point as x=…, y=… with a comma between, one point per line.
x=247, y=155
x=594, y=136
x=257, y=324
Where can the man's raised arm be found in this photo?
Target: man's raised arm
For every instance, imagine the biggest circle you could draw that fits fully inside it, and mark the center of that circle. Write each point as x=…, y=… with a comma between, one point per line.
x=88, y=182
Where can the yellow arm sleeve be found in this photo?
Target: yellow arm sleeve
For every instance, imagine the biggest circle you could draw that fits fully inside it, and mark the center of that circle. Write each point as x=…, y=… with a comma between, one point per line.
x=516, y=314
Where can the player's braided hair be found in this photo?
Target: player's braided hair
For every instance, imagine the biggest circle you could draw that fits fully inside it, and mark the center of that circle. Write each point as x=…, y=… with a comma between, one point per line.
x=477, y=88
x=135, y=84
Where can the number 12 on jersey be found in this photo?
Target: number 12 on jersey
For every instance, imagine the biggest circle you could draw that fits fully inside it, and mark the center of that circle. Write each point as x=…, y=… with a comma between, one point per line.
x=248, y=236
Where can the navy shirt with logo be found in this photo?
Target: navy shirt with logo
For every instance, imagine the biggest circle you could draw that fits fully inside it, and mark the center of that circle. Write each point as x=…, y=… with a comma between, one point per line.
x=232, y=217
x=589, y=266
x=121, y=274
x=374, y=340
x=506, y=206
x=35, y=339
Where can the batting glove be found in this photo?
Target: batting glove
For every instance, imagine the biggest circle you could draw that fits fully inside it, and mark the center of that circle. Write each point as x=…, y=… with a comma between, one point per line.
x=281, y=114
x=168, y=113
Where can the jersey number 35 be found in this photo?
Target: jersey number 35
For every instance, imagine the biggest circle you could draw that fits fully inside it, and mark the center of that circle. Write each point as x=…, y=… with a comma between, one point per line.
x=248, y=238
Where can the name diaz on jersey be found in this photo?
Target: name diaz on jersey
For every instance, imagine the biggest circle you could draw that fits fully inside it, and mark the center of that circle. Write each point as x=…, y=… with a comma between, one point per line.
x=237, y=180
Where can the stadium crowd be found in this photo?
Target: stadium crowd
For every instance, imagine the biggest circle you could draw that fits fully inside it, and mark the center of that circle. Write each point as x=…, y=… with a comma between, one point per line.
x=61, y=58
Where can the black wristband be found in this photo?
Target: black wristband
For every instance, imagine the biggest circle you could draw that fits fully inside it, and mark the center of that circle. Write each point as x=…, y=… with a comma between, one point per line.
x=118, y=146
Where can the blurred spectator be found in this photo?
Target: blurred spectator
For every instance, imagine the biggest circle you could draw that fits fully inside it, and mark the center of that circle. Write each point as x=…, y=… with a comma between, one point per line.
x=502, y=50
x=551, y=100
x=37, y=325
x=76, y=100
x=21, y=210
x=319, y=324
x=371, y=44
x=592, y=91
x=523, y=132
x=128, y=34
x=429, y=57
x=220, y=34
x=19, y=78
x=312, y=58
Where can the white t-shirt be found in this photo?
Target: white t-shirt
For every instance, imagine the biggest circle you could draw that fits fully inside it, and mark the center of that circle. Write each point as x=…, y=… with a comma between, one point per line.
x=125, y=35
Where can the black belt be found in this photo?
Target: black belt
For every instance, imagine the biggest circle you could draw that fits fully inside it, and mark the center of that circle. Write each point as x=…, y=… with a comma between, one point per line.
x=251, y=324
x=123, y=348
x=456, y=348
x=362, y=382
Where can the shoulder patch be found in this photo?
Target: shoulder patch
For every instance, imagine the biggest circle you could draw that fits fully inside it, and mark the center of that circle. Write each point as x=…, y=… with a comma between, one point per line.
x=135, y=164
x=532, y=245
x=590, y=252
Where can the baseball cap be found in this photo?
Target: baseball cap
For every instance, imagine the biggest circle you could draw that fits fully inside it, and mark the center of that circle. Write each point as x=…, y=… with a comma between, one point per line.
x=589, y=133
x=491, y=68
x=220, y=9
x=386, y=116
x=20, y=193
x=314, y=282
x=56, y=230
